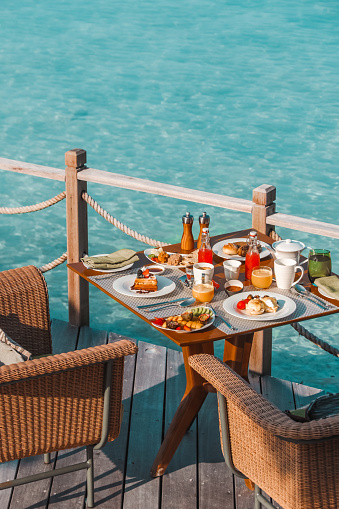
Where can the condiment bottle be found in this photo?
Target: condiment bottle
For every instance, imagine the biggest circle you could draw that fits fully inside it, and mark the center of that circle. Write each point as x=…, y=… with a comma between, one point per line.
x=187, y=240
x=204, y=221
x=205, y=253
x=252, y=257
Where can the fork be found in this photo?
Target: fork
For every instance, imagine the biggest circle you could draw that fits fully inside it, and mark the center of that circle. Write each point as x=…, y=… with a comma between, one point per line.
x=223, y=319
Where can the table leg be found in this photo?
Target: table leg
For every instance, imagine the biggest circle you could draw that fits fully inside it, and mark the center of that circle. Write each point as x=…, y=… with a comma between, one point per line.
x=190, y=405
x=237, y=352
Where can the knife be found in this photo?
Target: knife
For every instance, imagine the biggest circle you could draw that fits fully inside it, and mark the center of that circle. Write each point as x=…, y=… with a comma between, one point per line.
x=308, y=295
x=160, y=303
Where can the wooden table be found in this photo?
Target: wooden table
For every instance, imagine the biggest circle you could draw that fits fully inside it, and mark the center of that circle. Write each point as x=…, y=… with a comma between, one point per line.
x=237, y=348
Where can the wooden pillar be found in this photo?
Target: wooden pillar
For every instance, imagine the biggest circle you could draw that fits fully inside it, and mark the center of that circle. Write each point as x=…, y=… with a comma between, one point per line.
x=263, y=206
x=77, y=236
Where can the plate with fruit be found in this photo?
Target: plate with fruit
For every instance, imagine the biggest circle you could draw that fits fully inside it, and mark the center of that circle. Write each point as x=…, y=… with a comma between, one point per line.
x=170, y=260
x=259, y=305
x=193, y=320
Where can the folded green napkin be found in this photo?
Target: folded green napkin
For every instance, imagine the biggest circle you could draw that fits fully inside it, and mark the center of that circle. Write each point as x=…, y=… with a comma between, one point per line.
x=111, y=261
x=330, y=285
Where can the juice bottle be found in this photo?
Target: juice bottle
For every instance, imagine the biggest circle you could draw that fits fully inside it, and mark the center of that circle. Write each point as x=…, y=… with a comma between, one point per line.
x=204, y=221
x=252, y=257
x=205, y=253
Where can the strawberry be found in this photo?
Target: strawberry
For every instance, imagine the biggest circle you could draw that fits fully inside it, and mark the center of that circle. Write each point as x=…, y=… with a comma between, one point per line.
x=146, y=273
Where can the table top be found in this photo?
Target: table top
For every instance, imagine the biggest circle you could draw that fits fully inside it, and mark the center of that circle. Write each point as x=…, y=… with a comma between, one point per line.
x=305, y=310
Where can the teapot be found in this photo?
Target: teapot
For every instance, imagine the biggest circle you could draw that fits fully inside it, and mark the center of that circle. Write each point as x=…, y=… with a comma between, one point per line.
x=288, y=249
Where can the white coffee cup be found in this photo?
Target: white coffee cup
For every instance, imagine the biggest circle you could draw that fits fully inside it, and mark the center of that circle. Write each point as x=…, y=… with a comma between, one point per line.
x=284, y=270
x=203, y=268
x=232, y=269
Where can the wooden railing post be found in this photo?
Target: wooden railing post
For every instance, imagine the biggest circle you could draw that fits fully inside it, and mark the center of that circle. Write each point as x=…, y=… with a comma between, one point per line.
x=263, y=206
x=77, y=236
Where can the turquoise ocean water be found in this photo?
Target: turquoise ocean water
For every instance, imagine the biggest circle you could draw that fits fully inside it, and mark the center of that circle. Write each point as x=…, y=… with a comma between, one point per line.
x=219, y=96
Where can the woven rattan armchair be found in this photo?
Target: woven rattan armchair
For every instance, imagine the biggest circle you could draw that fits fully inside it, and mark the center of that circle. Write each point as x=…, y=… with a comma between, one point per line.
x=59, y=401
x=297, y=464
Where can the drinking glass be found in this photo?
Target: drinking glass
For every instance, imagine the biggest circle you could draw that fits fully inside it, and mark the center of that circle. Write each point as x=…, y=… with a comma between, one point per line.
x=319, y=264
x=189, y=276
x=261, y=277
x=203, y=289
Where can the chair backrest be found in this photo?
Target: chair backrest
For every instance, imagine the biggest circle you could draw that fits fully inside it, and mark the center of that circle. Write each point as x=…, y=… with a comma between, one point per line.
x=57, y=402
x=24, y=309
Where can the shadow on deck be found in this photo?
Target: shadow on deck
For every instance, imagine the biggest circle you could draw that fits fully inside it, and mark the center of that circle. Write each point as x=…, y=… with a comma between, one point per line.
x=154, y=382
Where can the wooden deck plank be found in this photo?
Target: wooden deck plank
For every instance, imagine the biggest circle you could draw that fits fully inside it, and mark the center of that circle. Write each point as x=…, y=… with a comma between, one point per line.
x=141, y=490
x=69, y=490
x=64, y=339
x=7, y=472
x=215, y=479
x=179, y=484
x=304, y=395
x=110, y=462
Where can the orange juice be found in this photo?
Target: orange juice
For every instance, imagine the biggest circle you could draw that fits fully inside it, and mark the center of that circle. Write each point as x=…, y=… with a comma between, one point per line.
x=203, y=292
x=261, y=277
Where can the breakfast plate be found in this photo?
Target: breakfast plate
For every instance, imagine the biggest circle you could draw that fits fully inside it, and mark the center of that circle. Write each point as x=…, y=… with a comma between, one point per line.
x=217, y=248
x=149, y=251
x=287, y=306
x=119, y=269
x=123, y=285
x=210, y=321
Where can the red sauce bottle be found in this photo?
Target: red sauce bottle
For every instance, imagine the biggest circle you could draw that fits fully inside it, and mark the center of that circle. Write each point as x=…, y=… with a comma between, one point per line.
x=205, y=253
x=252, y=259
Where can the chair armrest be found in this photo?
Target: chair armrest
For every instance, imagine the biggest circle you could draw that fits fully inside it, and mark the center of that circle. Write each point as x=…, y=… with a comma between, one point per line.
x=257, y=408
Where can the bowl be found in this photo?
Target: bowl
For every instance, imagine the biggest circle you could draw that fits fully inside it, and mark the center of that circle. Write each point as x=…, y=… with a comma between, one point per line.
x=155, y=269
x=233, y=286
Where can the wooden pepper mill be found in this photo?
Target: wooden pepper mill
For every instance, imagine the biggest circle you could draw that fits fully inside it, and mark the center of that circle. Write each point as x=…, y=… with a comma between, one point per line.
x=204, y=221
x=187, y=240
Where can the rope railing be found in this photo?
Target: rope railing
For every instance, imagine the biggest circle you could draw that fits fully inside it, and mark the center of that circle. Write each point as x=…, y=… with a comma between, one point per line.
x=112, y=220
x=54, y=263
x=34, y=208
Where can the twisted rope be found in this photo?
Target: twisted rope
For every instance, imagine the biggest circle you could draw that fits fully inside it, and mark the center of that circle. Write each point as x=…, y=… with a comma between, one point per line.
x=142, y=238
x=317, y=341
x=54, y=263
x=34, y=208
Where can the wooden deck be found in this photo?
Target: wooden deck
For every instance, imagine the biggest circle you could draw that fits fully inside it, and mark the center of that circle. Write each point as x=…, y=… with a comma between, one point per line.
x=154, y=381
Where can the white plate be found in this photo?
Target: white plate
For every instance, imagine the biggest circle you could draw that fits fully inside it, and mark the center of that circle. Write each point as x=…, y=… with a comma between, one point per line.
x=188, y=331
x=126, y=267
x=124, y=283
x=322, y=292
x=148, y=251
x=287, y=306
x=217, y=249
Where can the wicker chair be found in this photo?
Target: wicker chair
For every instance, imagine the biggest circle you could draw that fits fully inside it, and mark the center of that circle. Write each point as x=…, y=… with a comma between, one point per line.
x=296, y=464
x=59, y=401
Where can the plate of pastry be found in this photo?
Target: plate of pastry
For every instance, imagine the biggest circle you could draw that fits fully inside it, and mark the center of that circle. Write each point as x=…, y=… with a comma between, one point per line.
x=143, y=284
x=260, y=305
x=171, y=260
x=237, y=248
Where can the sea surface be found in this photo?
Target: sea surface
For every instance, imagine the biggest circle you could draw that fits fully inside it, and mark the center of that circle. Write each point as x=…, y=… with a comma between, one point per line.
x=218, y=96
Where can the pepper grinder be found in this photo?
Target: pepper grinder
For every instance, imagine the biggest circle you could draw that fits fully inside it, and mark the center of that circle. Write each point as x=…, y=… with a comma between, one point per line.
x=187, y=240
x=204, y=221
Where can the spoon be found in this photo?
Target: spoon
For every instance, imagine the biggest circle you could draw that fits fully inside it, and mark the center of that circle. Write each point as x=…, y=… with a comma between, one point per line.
x=184, y=303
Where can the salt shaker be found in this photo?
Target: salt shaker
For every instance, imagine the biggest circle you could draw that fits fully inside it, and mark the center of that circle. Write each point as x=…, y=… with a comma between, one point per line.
x=204, y=221
x=187, y=240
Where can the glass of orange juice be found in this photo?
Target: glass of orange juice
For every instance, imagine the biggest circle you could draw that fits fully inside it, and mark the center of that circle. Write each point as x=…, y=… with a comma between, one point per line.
x=261, y=277
x=203, y=289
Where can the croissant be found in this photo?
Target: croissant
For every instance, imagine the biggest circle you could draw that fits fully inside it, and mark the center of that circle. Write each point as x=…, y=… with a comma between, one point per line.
x=255, y=307
x=271, y=304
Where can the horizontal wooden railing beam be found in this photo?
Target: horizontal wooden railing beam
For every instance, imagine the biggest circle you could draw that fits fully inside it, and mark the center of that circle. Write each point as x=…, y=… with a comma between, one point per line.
x=32, y=169
x=180, y=193
x=304, y=225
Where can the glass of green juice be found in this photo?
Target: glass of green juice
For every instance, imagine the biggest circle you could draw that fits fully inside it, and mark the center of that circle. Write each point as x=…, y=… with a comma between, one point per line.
x=319, y=264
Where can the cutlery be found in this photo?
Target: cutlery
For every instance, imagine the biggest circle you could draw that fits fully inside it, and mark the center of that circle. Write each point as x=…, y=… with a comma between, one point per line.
x=183, y=304
x=301, y=290
x=221, y=318
x=165, y=302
